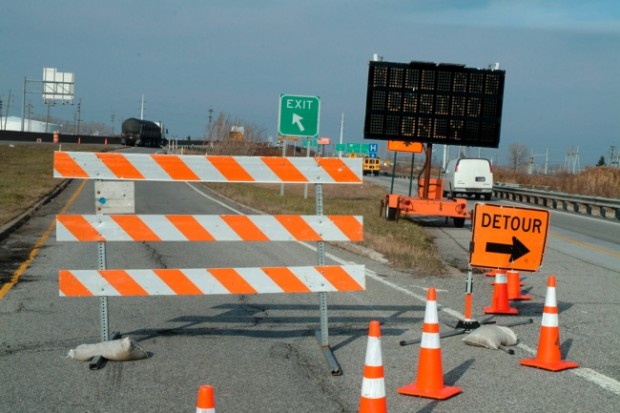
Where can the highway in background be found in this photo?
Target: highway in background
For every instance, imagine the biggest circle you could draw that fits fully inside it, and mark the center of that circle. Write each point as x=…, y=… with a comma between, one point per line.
x=260, y=351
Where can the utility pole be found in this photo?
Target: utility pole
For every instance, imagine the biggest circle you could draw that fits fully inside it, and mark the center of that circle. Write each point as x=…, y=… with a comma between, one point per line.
x=29, y=116
x=112, y=119
x=8, y=109
x=613, y=157
x=79, y=108
x=210, y=120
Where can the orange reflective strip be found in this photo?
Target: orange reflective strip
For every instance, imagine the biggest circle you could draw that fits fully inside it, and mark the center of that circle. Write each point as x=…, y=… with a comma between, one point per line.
x=71, y=286
x=298, y=227
x=286, y=171
x=338, y=170
x=286, y=280
x=339, y=278
x=550, y=310
x=350, y=226
x=67, y=167
x=123, y=283
x=244, y=227
x=190, y=227
x=232, y=281
x=178, y=282
x=135, y=228
x=430, y=328
x=119, y=165
x=373, y=372
x=230, y=168
x=175, y=167
x=80, y=227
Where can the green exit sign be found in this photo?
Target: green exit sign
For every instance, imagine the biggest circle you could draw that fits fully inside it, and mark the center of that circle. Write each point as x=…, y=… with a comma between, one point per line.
x=299, y=115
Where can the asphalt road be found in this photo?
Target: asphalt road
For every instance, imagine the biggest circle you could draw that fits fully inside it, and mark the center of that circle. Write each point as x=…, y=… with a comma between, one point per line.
x=260, y=351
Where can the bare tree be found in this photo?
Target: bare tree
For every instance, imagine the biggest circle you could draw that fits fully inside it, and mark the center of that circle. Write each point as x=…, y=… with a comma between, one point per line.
x=518, y=156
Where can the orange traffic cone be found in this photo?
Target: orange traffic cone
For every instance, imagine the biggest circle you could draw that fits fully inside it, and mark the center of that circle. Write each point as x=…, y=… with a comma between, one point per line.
x=373, y=398
x=206, y=399
x=514, y=287
x=548, y=356
x=500, y=304
x=430, y=375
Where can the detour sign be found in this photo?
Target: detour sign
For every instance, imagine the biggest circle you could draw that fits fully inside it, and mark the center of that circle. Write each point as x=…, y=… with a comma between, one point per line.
x=507, y=237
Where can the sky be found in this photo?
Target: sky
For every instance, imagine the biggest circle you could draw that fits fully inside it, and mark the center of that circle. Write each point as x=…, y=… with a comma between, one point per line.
x=561, y=57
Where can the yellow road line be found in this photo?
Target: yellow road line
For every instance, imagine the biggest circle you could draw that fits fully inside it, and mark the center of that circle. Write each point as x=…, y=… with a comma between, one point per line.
x=37, y=247
x=585, y=245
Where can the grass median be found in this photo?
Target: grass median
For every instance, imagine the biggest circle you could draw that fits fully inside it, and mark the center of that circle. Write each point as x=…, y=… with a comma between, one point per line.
x=404, y=244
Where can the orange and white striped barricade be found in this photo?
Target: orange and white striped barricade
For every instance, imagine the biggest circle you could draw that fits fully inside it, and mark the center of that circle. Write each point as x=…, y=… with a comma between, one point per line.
x=95, y=228
x=102, y=228
x=211, y=281
x=196, y=168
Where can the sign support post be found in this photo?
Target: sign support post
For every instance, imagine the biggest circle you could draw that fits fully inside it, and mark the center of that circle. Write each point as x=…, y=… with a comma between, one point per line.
x=323, y=334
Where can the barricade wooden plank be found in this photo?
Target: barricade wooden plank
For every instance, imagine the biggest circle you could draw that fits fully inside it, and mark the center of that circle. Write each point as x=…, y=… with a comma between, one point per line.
x=100, y=228
x=168, y=167
x=261, y=280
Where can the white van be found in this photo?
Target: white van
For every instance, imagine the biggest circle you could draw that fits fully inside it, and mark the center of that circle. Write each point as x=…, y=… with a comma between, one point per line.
x=467, y=177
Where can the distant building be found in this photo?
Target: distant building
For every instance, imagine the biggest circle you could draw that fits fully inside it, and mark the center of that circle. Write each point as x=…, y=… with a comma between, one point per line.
x=237, y=133
x=14, y=123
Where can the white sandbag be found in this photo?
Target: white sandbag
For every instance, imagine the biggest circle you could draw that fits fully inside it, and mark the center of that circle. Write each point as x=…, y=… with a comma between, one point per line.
x=491, y=336
x=124, y=349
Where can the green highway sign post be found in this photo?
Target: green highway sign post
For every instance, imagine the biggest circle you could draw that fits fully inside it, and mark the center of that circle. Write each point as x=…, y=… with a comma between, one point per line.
x=312, y=142
x=299, y=115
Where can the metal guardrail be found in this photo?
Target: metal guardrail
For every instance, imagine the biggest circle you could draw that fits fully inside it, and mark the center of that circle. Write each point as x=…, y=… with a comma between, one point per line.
x=607, y=208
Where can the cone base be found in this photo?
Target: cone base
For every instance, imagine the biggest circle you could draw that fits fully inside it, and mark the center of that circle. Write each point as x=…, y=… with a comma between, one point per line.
x=509, y=310
x=520, y=298
x=439, y=394
x=373, y=405
x=557, y=366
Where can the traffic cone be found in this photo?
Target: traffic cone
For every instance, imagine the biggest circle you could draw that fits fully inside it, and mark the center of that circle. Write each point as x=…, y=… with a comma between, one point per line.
x=373, y=398
x=514, y=287
x=500, y=304
x=206, y=399
x=430, y=375
x=548, y=356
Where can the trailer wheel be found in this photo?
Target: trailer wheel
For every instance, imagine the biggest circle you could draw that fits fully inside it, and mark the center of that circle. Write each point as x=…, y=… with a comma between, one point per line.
x=459, y=222
x=390, y=213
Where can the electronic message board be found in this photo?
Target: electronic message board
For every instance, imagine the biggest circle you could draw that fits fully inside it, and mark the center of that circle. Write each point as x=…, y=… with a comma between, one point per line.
x=434, y=103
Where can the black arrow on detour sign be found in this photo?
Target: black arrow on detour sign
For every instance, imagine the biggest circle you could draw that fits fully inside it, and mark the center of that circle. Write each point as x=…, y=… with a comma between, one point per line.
x=516, y=250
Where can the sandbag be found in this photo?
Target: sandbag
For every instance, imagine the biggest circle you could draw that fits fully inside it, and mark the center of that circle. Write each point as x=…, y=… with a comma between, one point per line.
x=491, y=336
x=124, y=349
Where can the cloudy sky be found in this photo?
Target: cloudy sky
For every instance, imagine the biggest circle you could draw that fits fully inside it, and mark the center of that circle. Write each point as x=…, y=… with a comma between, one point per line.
x=562, y=61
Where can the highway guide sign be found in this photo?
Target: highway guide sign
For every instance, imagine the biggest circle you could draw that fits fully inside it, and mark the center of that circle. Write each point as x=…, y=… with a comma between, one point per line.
x=507, y=237
x=299, y=115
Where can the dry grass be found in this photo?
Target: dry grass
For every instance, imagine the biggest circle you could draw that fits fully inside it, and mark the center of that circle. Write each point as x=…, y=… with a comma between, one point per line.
x=597, y=181
x=27, y=171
